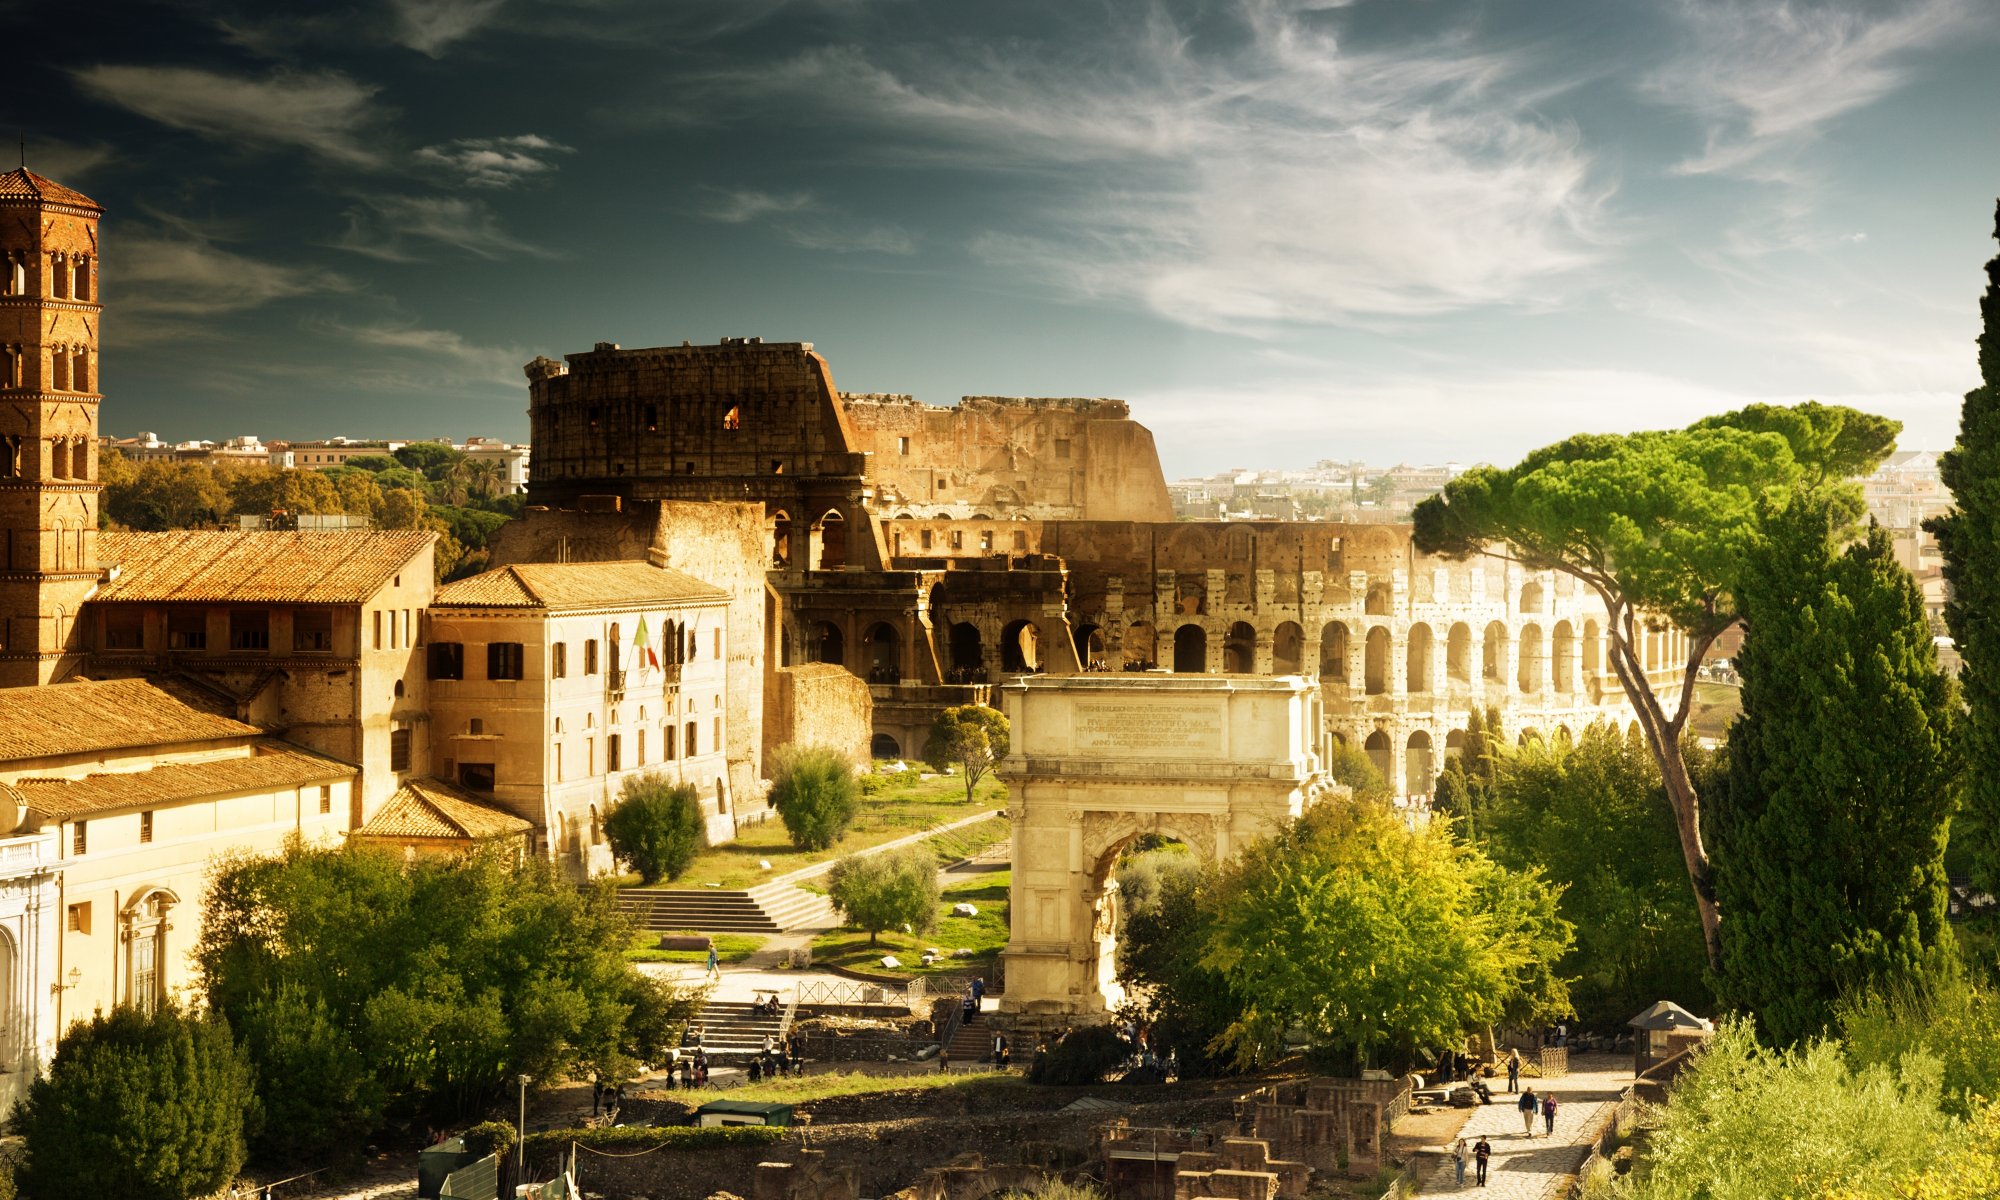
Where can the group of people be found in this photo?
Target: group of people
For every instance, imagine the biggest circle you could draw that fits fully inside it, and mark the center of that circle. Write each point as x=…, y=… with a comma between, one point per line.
x=689, y=1070
x=1479, y=1153
x=781, y=1056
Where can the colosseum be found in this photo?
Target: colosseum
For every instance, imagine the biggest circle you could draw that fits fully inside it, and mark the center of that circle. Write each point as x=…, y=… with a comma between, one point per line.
x=934, y=551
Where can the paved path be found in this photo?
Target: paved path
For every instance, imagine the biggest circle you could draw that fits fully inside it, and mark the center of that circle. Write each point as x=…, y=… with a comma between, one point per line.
x=1534, y=1169
x=820, y=868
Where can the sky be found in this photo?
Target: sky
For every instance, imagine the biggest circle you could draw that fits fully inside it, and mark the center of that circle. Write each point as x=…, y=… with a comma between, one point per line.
x=1284, y=230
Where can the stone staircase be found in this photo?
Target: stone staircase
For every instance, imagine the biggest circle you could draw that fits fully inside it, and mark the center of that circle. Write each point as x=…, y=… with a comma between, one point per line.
x=733, y=1032
x=767, y=909
x=973, y=1042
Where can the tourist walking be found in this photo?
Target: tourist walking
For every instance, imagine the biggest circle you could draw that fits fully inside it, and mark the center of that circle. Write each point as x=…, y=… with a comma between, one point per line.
x=1514, y=1069
x=1459, y=1153
x=714, y=964
x=1528, y=1104
x=944, y=1060
x=1549, y=1113
x=1480, y=1153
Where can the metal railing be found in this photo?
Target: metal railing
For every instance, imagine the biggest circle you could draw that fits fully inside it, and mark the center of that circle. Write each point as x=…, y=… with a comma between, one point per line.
x=791, y=1012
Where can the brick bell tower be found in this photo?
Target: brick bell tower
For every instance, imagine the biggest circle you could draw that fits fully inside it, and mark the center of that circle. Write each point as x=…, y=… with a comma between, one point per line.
x=49, y=328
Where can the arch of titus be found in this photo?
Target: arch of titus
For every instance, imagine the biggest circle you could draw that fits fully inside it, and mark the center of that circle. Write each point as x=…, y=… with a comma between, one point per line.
x=1097, y=760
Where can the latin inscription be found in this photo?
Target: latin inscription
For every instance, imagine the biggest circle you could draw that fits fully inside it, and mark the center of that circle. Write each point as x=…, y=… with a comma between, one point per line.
x=1181, y=729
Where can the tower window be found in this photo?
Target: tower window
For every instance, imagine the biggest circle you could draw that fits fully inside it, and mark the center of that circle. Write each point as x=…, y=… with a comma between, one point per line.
x=81, y=290
x=61, y=370
x=59, y=277
x=399, y=749
x=733, y=419
x=146, y=826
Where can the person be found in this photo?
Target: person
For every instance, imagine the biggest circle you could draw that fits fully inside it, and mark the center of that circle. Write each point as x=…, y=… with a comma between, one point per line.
x=1459, y=1153
x=1549, y=1113
x=1562, y=1034
x=978, y=990
x=767, y=1045
x=1514, y=1069
x=714, y=964
x=944, y=1059
x=999, y=1047
x=1480, y=1153
x=1529, y=1102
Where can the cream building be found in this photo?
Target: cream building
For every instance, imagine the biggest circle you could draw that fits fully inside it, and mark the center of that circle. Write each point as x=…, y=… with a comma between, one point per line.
x=29, y=902
x=551, y=684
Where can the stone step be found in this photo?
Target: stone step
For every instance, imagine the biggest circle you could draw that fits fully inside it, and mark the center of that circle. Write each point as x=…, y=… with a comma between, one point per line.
x=771, y=908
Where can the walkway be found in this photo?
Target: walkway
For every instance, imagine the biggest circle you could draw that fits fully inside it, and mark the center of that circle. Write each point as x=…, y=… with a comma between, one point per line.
x=1535, y=1169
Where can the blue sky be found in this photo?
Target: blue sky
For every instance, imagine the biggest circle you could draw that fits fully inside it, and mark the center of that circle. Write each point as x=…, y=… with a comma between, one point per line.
x=1380, y=229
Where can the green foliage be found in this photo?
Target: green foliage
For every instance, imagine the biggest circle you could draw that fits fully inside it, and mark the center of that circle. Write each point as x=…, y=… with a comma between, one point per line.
x=1969, y=536
x=158, y=496
x=657, y=827
x=1747, y=1123
x=1371, y=936
x=1953, y=1019
x=256, y=491
x=1593, y=816
x=1080, y=1057
x=1186, y=1004
x=374, y=464
x=1829, y=838
x=888, y=890
x=319, y=1095
x=499, y=1137
x=968, y=738
x=1350, y=764
x=427, y=456
x=1464, y=788
x=143, y=1106
x=447, y=976
x=815, y=792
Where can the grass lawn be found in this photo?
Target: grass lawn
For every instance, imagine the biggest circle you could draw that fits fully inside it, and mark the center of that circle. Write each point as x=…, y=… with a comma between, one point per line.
x=898, y=808
x=985, y=935
x=729, y=947
x=841, y=1083
x=1715, y=706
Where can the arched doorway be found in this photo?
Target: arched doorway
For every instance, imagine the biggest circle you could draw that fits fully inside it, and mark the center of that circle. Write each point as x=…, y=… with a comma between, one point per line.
x=1375, y=662
x=1417, y=764
x=968, y=656
x=1239, y=650
x=1458, y=653
x=1417, y=657
x=1020, y=648
x=1531, y=597
x=781, y=539
x=1140, y=652
x=1288, y=649
x=1333, y=653
x=1493, y=654
x=1532, y=676
x=1090, y=647
x=827, y=644
x=883, y=745
x=1190, y=650
x=1378, y=751
x=829, y=541
x=884, y=648
x=1563, y=658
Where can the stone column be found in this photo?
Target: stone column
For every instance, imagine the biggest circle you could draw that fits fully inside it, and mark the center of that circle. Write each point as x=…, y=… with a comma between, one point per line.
x=1399, y=662
x=1261, y=657
x=1214, y=644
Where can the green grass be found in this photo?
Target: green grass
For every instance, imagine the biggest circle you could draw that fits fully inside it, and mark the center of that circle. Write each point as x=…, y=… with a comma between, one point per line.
x=729, y=947
x=1715, y=706
x=985, y=935
x=966, y=842
x=841, y=1083
x=893, y=809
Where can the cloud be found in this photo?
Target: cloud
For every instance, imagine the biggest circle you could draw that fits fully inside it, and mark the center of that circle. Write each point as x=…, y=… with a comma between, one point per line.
x=67, y=162
x=806, y=222
x=428, y=26
x=323, y=112
x=460, y=360
x=737, y=207
x=398, y=228
x=1768, y=77
x=174, y=282
x=495, y=162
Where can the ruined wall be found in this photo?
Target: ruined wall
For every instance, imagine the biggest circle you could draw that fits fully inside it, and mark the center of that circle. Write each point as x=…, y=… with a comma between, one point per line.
x=818, y=704
x=994, y=456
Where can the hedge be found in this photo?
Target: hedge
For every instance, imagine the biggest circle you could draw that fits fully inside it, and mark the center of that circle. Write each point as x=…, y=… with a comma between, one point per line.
x=498, y=1136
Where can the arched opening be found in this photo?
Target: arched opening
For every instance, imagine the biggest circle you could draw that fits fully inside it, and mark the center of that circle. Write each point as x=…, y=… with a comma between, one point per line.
x=1378, y=751
x=1377, y=602
x=781, y=539
x=1563, y=657
x=1140, y=652
x=1593, y=650
x=1458, y=653
x=1089, y=647
x=1239, y=650
x=1493, y=652
x=1564, y=737
x=1288, y=649
x=1375, y=662
x=1020, y=648
x=1124, y=881
x=145, y=921
x=1454, y=744
x=1417, y=765
x=884, y=648
x=827, y=644
x=968, y=656
x=884, y=746
x=1190, y=650
x=829, y=542
x=1528, y=735
x=1531, y=597
x=1333, y=653
x=1533, y=676
x=1417, y=660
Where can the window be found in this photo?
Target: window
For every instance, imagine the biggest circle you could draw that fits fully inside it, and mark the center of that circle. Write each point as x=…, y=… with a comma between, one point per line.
x=124, y=629
x=944, y=485
x=79, y=918
x=82, y=288
x=777, y=466
x=590, y=656
x=146, y=826
x=249, y=629
x=476, y=727
x=667, y=748
x=718, y=641
x=986, y=539
x=79, y=837
x=378, y=628
x=503, y=660
x=325, y=798
x=652, y=418
x=399, y=749
x=958, y=539
x=187, y=629
x=639, y=758
x=590, y=756
x=407, y=641
x=447, y=660
x=312, y=630
x=558, y=751
x=717, y=736
x=477, y=777
x=733, y=419
x=612, y=750
x=1020, y=539
x=924, y=539
x=559, y=660
x=902, y=445
x=690, y=739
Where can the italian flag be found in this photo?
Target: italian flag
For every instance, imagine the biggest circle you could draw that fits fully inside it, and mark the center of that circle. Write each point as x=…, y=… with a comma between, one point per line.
x=643, y=643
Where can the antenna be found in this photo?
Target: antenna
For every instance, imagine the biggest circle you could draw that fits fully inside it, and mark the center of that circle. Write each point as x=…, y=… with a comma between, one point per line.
x=24, y=152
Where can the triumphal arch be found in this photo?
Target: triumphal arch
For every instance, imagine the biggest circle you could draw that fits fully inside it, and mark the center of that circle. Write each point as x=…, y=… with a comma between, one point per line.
x=1096, y=761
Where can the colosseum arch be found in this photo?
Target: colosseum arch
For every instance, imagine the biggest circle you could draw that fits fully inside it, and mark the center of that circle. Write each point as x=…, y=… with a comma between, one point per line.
x=1090, y=647
x=1239, y=650
x=829, y=541
x=1190, y=649
x=1378, y=750
x=1493, y=653
x=1458, y=653
x=1288, y=649
x=779, y=526
x=1454, y=744
x=883, y=647
x=1417, y=659
x=1375, y=662
x=1333, y=653
x=1417, y=778
x=1021, y=648
x=1140, y=651
x=1533, y=673
x=1532, y=600
x=828, y=646
x=1562, y=657
x=968, y=655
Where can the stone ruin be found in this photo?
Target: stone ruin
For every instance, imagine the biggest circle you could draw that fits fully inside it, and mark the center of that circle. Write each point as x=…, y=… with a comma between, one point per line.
x=810, y=1178
x=1328, y=1124
x=1239, y=1169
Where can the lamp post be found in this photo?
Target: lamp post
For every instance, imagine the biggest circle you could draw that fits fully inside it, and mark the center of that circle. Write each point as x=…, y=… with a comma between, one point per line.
x=521, y=1141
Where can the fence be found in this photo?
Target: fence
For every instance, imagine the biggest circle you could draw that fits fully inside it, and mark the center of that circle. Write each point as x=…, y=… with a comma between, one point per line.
x=1555, y=1062
x=1605, y=1144
x=1406, y=1181
x=831, y=992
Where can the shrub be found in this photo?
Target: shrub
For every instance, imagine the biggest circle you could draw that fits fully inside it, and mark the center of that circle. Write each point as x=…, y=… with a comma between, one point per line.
x=657, y=828
x=969, y=739
x=1082, y=1056
x=142, y=1106
x=815, y=792
x=888, y=890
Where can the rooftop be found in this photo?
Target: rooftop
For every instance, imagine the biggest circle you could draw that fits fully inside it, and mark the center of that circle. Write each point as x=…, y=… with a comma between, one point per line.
x=107, y=714
x=23, y=184
x=256, y=566
x=431, y=808
x=274, y=766
x=559, y=586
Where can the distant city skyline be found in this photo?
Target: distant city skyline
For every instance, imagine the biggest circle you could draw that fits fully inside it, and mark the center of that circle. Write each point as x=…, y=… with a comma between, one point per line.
x=1283, y=230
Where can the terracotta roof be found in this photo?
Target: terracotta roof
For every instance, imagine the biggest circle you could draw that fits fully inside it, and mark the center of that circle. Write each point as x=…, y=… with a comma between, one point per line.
x=572, y=585
x=431, y=808
x=107, y=714
x=255, y=566
x=276, y=766
x=22, y=183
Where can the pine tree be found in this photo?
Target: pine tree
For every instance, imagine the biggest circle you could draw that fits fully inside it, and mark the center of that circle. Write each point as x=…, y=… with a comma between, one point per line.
x=1830, y=835
x=1970, y=539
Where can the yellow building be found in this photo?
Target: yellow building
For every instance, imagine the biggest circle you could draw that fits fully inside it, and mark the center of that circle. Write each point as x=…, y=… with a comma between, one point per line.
x=428, y=816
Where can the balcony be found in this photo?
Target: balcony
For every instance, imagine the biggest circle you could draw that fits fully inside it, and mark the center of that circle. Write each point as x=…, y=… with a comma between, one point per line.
x=614, y=681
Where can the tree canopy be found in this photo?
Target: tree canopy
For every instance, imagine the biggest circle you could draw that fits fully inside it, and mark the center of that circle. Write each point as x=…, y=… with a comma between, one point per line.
x=815, y=792
x=969, y=739
x=886, y=890
x=657, y=827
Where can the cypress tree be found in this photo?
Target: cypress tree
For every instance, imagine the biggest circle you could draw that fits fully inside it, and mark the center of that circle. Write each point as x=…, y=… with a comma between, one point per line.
x=1830, y=835
x=1970, y=539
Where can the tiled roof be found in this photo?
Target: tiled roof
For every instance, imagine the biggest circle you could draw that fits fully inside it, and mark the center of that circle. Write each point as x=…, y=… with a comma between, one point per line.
x=107, y=714
x=431, y=808
x=255, y=566
x=25, y=184
x=573, y=585
x=276, y=766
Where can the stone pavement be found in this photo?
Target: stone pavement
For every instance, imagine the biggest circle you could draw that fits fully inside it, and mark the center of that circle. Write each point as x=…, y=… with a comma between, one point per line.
x=1535, y=1169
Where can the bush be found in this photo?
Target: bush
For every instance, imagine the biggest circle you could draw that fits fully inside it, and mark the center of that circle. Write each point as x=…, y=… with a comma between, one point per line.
x=657, y=828
x=1081, y=1057
x=320, y=1099
x=1953, y=1020
x=142, y=1106
x=888, y=890
x=815, y=792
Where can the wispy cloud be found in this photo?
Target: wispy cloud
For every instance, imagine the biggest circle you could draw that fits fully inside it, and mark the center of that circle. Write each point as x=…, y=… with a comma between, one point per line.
x=459, y=359
x=324, y=112
x=173, y=281
x=404, y=228
x=1768, y=76
x=802, y=219
x=737, y=207
x=67, y=161
x=429, y=26
x=495, y=162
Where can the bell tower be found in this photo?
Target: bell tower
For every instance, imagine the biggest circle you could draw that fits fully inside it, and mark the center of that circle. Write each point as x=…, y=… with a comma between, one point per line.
x=49, y=329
